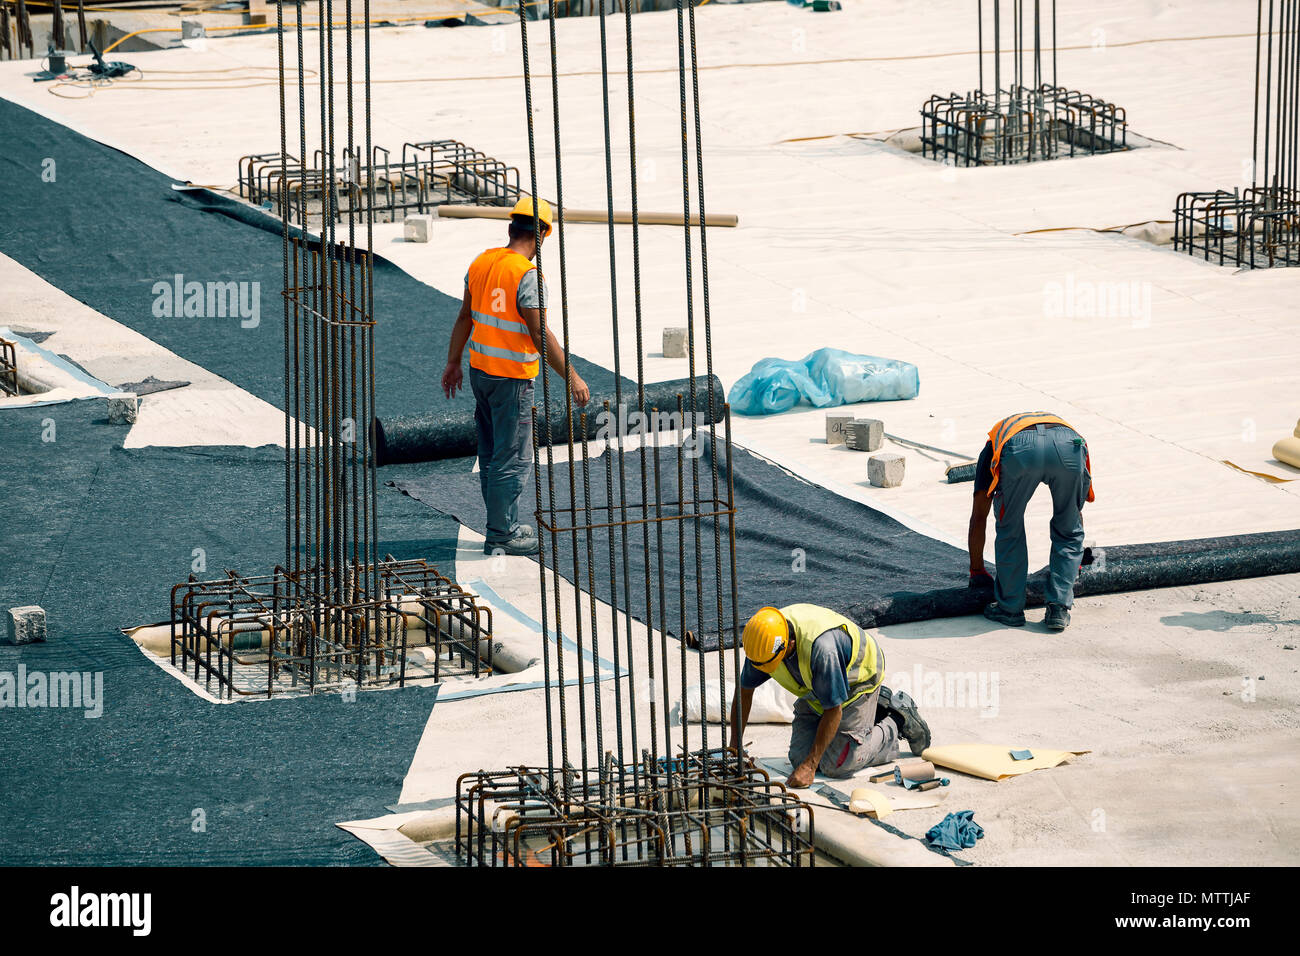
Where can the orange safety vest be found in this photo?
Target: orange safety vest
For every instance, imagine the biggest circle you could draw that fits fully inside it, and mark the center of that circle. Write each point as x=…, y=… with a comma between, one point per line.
x=1002, y=432
x=500, y=343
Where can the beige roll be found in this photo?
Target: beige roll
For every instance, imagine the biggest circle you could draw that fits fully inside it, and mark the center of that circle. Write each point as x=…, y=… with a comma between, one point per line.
x=917, y=769
x=1288, y=449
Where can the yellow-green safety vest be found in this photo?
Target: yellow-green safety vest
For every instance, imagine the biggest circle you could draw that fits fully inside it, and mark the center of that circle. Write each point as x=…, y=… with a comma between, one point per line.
x=807, y=623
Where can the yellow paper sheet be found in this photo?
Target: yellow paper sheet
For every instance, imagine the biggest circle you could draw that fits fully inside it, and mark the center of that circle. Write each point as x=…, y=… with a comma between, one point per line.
x=867, y=800
x=994, y=761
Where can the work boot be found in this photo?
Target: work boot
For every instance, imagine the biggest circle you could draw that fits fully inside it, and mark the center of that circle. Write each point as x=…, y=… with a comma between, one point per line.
x=516, y=546
x=994, y=612
x=1058, y=617
x=900, y=706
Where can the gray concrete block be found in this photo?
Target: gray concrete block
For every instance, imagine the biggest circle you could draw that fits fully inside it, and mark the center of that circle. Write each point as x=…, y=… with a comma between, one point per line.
x=864, y=434
x=886, y=470
x=26, y=625
x=123, y=408
x=417, y=227
x=674, y=343
x=836, y=422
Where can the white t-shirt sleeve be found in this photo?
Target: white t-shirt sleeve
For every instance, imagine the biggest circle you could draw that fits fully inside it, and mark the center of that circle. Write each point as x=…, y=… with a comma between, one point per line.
x=527, y=297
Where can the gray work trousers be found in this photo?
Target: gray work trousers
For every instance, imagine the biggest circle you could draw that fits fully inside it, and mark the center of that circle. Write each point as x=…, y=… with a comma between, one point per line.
x=1039, y=455
x=503, y=414
x=859, y=742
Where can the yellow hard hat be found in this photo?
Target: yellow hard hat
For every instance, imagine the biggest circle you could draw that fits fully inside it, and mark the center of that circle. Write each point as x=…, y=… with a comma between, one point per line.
x=525, y=208
x=766, y=639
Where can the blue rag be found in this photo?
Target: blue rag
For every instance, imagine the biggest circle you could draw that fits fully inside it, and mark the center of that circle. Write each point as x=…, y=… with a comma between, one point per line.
x=956, y=831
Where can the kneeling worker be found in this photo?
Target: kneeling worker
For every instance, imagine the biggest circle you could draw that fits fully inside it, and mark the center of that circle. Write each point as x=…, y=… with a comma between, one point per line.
x=844, y=719
x=1024, y=451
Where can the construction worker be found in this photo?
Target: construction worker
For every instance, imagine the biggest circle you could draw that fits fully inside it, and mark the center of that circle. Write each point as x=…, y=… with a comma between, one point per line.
x=1024, y=451
x=844, y=719
x=501, y=320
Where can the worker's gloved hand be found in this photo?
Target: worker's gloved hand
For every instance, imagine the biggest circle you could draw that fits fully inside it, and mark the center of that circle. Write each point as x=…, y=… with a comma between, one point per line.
x=453, y=378
x=981, y=579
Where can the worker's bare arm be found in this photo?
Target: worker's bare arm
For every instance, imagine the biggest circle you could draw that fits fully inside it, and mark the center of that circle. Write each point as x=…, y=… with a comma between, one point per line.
x=979, y=522
x=740, y=705
x=453, y=376
x=554, y=354
x=826, y=730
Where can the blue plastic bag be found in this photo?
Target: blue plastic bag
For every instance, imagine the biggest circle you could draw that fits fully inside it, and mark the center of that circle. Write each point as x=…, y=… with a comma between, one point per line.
x=824, y=378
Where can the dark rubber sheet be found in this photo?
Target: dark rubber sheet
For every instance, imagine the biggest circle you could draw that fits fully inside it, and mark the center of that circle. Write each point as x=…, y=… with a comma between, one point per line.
x=97, y=535
x=443, y=433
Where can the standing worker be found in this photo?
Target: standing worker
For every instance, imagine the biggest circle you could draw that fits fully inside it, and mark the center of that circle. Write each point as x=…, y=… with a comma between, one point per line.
x=844, y=719
x=501, y=318
x=1024, y=451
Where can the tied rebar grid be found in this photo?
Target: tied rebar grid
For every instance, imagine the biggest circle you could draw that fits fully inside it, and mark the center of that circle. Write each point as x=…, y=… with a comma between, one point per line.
x=427, y=175
x=624, y=786
x=305, y=641
x=8, y=367
x=1026, y=119
x=1257, y=226
x=334, y=613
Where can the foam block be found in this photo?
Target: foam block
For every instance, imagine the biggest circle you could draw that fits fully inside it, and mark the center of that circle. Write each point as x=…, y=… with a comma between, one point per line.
x=26, y=625
x=864, y=434
x=836, y=423
x=417, y=227
x=674, y=343
x=886, y=470
x=123, y=408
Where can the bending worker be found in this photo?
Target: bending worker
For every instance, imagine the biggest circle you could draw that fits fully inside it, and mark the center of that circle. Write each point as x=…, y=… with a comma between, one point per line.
x=844, y=719
x=1024, y=451
x=501, y=318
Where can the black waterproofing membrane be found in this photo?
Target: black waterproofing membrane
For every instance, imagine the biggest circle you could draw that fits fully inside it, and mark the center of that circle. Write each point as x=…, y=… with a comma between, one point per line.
x=97, y=535
x=451, y=433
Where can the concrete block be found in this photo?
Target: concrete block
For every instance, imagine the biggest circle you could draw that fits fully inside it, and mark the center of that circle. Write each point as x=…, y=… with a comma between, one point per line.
x=864, y=434
x=123, y=408
x=26, y=625
x=886, y=470
x=836, y=422
x=674, y=343
x=417, y=227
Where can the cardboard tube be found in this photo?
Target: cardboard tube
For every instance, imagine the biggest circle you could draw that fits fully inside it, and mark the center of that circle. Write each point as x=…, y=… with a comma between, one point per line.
x=917, y=769
x=600, y=216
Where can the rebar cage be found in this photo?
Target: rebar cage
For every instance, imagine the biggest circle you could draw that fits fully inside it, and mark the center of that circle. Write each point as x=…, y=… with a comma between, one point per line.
x=305, y=641
x=334, y=613
x=8, y=367
x=1257, y=226
x=1025, y=119
x=628, y=780
x=1020, y=125
x=427, y=175
x=683, y=812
